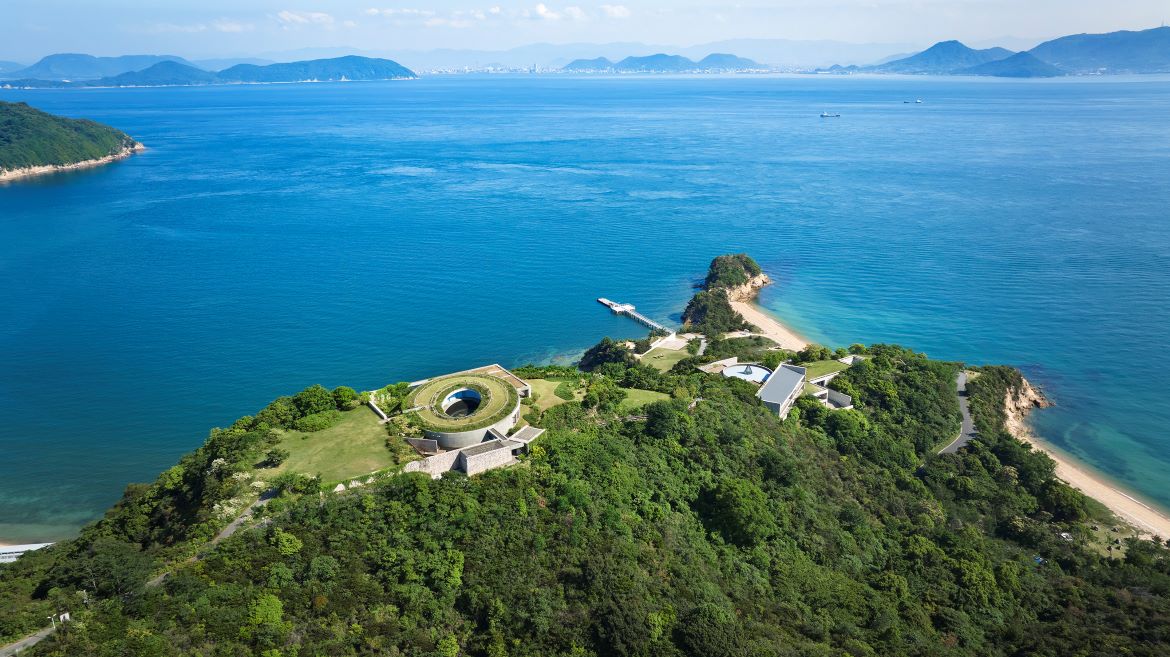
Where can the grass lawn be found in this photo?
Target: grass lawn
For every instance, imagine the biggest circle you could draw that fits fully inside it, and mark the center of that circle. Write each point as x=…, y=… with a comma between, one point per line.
x=354, y=446
x=820, y=368
x=544, y=389
x=664, y=359
x=636, y=398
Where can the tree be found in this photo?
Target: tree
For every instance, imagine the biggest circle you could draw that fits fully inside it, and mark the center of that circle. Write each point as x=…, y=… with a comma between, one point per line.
x=603, y=394
x=345, y=398
x=709, y=630
x=109, y=568
x=274, y=457
x=606, y=351
x=314, y=399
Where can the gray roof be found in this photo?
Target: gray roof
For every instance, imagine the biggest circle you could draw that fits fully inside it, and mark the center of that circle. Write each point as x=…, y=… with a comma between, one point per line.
x=491, y=446
x=527, y=434
x=781, y=385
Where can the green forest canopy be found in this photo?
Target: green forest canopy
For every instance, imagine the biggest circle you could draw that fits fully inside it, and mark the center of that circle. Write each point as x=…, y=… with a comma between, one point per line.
x=707, y=527
x=30, y=138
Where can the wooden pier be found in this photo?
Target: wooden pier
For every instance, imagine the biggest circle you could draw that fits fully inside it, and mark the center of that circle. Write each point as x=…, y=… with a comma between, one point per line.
x=628, y=310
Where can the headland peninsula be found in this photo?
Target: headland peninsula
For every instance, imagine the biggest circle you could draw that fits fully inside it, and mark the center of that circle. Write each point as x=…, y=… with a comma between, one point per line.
x=697, y=492
x=34, y=143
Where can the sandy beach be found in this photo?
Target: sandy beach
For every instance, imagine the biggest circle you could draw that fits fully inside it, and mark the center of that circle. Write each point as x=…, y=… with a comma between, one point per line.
x=1147, y=520
x=769, y=327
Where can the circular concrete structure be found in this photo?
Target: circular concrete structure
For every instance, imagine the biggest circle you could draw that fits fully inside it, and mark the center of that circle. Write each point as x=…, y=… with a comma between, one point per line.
x=457, y=411
x=755, y=373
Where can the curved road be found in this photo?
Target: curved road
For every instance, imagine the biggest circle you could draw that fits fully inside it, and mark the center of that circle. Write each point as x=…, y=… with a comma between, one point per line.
x=967, y=431
x=27, y=642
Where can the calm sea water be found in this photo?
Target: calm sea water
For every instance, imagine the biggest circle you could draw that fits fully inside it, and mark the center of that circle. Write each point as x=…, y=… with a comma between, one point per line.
x=277, y=236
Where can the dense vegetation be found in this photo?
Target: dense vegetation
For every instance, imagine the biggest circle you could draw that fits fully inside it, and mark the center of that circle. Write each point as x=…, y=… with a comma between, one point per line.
x=709, y=311
x=708, y=528
x=731, y=270
x=31, y=138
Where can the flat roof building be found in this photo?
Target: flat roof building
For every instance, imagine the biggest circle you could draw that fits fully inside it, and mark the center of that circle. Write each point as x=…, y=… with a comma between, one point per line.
x=782, y=389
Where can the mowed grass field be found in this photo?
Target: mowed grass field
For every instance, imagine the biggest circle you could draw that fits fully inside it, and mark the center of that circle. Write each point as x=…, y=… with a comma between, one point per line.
x=546, y=395
x=664, y=359
x=636, y=398
x=355, y=446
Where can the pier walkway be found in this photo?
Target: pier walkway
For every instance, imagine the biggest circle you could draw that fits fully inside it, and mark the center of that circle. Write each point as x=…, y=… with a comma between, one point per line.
x=628, y=310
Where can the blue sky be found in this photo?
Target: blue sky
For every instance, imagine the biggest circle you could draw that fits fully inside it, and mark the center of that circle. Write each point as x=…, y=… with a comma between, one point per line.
x=211, y=28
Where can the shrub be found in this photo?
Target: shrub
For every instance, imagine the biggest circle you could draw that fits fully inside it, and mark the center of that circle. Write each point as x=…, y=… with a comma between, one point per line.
x=318, y=421
x=565, y=390
x=345, y=398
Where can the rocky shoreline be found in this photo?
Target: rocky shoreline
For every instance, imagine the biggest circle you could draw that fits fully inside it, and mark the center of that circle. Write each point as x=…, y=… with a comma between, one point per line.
x=29, y=172
x=1018, y=404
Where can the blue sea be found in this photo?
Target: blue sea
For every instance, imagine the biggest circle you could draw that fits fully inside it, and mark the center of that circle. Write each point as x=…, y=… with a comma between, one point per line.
x=364, y=233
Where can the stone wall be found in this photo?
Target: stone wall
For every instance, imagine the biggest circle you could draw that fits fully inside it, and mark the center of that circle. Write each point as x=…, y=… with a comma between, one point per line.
x=435, y=465
x=497, y=458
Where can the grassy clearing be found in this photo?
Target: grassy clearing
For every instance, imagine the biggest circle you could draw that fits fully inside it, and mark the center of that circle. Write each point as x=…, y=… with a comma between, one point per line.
x=636, y=398
x=355, y=446
x=820, y=368
x=545, y=390
x=664, y=359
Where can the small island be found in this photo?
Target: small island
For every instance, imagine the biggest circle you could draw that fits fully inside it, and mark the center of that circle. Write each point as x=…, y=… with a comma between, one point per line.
x=34, y=143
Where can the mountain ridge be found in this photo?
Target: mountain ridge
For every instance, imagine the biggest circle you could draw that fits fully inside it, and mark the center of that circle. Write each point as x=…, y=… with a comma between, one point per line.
x=173, y=73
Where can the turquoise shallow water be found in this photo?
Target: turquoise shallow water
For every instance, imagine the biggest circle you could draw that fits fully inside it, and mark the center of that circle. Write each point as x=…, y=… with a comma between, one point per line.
x=276, y=236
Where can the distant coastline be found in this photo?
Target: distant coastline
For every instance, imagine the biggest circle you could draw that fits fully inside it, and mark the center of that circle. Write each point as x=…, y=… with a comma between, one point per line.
x=11, y=175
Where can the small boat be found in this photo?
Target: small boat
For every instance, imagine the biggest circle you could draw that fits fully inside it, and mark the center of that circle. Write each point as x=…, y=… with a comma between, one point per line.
x=918, y=102
x=826, y=115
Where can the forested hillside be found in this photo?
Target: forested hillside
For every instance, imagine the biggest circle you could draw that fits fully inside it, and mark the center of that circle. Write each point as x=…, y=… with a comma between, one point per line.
x=31, y=138
x=702, y=525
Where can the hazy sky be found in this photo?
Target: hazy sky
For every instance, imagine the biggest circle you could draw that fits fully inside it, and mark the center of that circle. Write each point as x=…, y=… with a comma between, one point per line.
x=208, y=28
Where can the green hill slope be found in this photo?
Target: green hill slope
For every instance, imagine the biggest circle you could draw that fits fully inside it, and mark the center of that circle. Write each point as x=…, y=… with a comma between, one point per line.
x=705, y=527
x=31, y=138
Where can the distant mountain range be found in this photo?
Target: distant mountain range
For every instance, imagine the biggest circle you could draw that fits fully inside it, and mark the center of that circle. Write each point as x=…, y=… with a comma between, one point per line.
x=1019, y=65
x=662, y=63
x=941, y=58
x=74, y=66
x=1147, y=51
x=176, y=73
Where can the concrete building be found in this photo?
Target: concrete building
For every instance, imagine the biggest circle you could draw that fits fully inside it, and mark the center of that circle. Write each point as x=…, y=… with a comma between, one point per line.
x=782, y=389
x=497, y=451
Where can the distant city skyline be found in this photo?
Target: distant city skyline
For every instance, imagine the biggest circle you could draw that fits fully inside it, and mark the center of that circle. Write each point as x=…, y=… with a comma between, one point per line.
x=30, y=29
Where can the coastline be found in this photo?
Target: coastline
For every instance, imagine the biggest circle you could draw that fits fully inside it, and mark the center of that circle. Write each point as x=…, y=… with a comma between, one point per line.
x=1144, y=518
x=29, y=172
x=743, y=301
x=769, y=326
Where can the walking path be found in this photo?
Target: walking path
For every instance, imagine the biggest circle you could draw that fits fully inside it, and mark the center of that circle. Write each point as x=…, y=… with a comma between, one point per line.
x=967, y=431
x=26, y=642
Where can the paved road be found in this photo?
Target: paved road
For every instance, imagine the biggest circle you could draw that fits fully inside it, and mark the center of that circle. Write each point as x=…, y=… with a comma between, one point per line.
x=26, y=642
x=967, y=432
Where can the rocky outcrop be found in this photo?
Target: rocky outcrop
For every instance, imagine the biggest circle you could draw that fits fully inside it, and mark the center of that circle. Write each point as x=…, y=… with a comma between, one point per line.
x=1018, y=403
x=749, y=290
